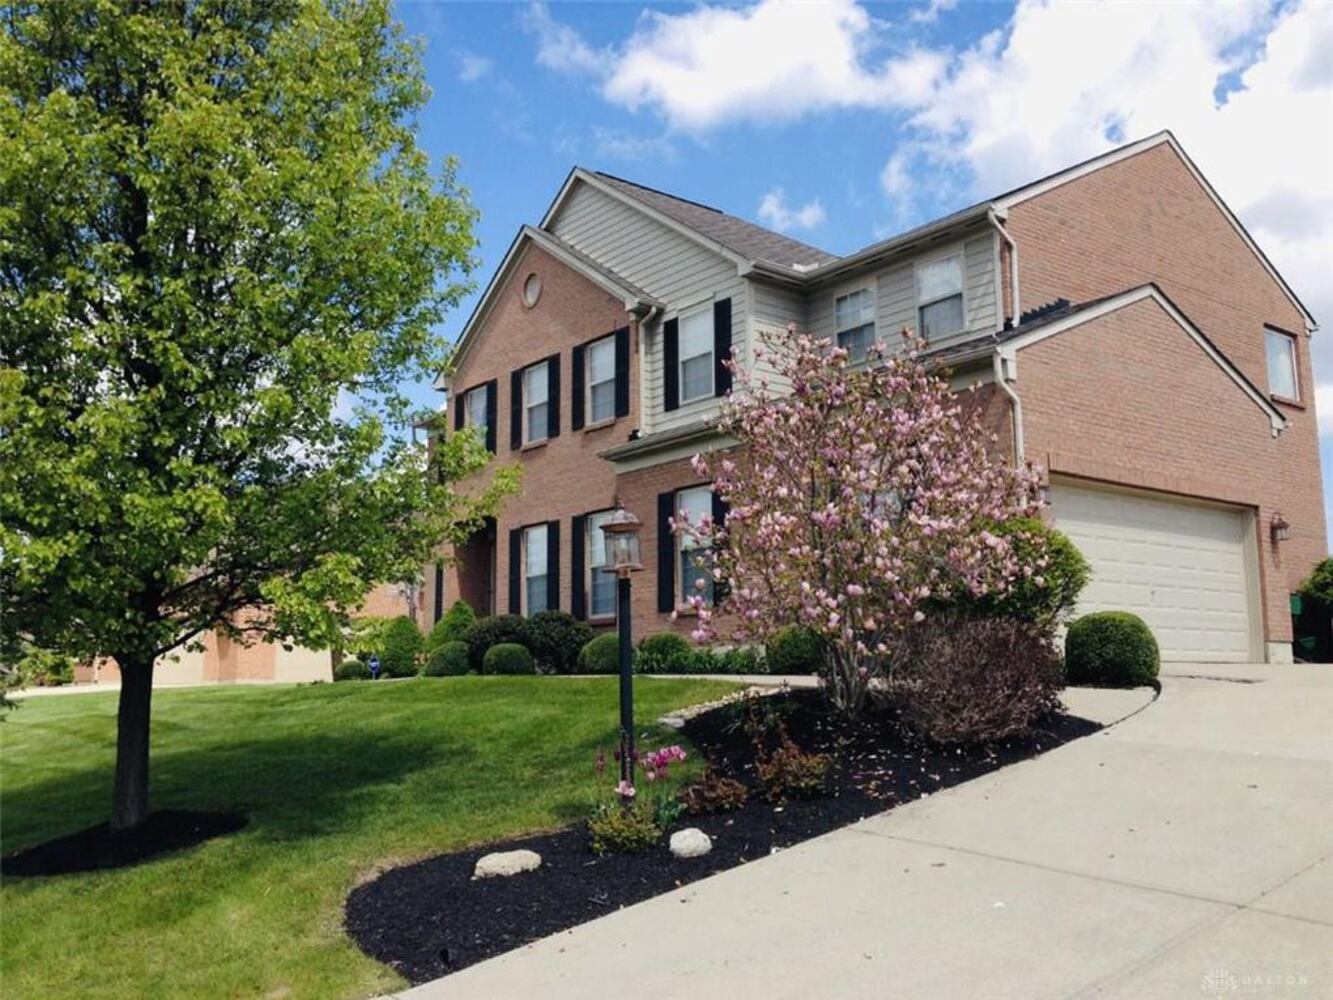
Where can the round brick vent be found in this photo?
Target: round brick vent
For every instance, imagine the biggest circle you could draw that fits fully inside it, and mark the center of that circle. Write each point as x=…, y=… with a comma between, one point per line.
x=532, y=290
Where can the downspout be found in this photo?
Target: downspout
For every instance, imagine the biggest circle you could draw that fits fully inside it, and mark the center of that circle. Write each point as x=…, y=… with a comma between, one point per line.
x=649, y=316
x=1001, y=379
x=1013, y=264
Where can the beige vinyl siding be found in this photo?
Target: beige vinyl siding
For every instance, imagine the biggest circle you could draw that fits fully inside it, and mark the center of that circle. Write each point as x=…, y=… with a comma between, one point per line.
x=664, y=263
x=895, y=293
x=774, y=308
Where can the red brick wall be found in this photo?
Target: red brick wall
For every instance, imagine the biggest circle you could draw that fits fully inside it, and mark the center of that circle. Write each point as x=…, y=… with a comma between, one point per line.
x=1130, y=398
x=562, y=477
x=1146, y=219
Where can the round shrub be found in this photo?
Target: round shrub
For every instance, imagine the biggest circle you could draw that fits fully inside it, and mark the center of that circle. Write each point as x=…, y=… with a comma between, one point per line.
x=453, y=625
x=557, y=639
x=966, y=681
x=399, y=648
x=1318, y=586
x=1111, y=649
x=1046, y=598
x=601, y=655
x=794, y=649
x=508, y=658
x=449, y=660
x=662, y=653
x=492, y=629
x=351, y=670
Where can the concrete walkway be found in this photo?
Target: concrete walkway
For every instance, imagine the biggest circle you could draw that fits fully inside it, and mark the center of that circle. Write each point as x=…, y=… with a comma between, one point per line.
x=1184, y=852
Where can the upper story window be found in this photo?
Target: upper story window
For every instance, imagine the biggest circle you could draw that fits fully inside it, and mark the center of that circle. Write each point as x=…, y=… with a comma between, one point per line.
x=1281, y=349
x=601, y=585
x=474, y=405
x=535, y=587
x=691, y=554
x=939, y=297
x=696, y=355
x=601, y=379
x=854, y=322
x=536, y=402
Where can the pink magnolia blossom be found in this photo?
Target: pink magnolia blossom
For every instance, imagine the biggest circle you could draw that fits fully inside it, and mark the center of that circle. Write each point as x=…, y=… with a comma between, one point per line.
x=857, y=500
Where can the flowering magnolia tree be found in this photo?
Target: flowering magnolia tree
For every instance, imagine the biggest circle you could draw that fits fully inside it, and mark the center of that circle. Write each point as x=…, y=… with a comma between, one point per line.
x=858, y=500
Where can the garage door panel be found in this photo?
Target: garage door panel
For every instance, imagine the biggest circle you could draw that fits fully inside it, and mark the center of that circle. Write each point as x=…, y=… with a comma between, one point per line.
x=1179, y=566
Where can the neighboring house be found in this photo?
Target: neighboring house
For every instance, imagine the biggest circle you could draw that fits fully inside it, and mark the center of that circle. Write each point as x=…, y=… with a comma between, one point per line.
x=224, y=660
x=1129, y=335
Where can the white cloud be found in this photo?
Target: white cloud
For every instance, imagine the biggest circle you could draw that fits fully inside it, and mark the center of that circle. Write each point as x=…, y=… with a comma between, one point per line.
x=627, y=146
x=560, y=47
x=472, y=68
x=930, y=13
x=777, y=214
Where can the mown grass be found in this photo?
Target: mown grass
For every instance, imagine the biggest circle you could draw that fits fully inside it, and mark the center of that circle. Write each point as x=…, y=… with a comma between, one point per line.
x=337, y=780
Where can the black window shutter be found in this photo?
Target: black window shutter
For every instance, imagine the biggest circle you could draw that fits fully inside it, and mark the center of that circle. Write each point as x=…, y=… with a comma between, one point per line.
x=666, y=552
x=578, y=594
x=516, y=409
x=671, y=364
x=577, y=389
x=490, y=416
x=515, y=571
x=622, y=372
x=721, y=347
x=720, y=508
x=553, y=565
x=439, y=591
x=553, y=396
x=460, y=408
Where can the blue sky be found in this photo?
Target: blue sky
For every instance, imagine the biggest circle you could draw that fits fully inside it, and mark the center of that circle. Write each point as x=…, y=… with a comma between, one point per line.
x=843, y=123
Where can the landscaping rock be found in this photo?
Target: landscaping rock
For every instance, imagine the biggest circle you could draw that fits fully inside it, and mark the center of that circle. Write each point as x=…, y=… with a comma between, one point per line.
x=506, y=863
x=690, y=843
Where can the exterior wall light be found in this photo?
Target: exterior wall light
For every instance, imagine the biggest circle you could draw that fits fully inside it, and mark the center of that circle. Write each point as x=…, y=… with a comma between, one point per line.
x=1279, y=528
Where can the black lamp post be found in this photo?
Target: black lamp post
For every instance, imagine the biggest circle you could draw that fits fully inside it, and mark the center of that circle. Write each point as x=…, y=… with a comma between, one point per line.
x=621, y=535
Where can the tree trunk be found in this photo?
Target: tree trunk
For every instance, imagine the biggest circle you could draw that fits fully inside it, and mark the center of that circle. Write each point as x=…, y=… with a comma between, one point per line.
x=136, y=696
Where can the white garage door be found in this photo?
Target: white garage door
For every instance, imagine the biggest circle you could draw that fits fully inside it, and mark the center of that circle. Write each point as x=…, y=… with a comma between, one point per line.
x=1181, y=567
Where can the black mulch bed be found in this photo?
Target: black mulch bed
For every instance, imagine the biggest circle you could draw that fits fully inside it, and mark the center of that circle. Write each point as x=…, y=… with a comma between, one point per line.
x=429, y=919
x=101, y=847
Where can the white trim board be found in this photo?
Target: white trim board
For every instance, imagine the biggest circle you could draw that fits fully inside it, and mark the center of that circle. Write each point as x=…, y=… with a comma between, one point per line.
x=1114, y=303
x=1036, y=188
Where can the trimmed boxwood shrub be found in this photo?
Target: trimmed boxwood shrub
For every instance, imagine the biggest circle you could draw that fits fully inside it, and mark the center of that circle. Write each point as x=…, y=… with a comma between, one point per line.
x=557, y=639
x=601, y=655
x=494, y=629
x=449, y=660
x=660, y=652
x=351, y=670
x=794, y=649
x=400, y=647
x=508, y=658
x=1111, y=649
x=705, y=660
x=967, y=681
x=453, y=625
x=1049, y=602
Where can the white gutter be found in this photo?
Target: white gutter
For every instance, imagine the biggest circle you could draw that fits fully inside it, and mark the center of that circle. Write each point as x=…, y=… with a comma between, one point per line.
x=1013, y=264
x=1000, y=364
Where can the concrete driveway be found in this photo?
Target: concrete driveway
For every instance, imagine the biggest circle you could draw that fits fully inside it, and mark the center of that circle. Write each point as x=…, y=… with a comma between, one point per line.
x=1184, y=852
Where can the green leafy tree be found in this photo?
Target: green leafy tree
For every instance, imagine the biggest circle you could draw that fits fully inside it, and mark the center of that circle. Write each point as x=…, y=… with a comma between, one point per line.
x=221, y=254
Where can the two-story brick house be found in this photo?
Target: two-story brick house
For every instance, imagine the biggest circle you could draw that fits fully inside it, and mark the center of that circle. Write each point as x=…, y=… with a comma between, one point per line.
x=1128, y=334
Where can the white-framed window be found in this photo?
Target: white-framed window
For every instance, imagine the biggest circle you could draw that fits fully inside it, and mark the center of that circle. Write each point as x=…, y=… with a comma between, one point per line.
x=475, y=408
x=939, y=296
x=601, y=584
x=854, y=322
x=534, y=569
x=1281, y=350
x=691, y=554
x=536, y=402
x=696, y=354
x=600, y=357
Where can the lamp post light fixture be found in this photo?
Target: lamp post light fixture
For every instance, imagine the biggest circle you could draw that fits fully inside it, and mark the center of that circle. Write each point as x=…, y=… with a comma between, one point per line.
x=620, y=533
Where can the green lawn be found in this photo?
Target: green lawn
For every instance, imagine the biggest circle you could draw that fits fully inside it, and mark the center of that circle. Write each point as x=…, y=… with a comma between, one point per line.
x=337, y=779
